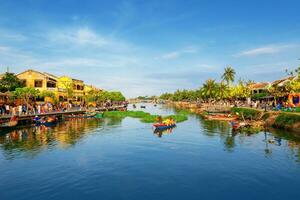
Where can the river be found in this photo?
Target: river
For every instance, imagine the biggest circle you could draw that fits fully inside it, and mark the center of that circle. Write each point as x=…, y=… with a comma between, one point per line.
x=124, y=159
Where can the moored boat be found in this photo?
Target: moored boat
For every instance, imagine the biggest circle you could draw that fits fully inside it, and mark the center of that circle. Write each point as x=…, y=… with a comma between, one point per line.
x=143, y=106
x=46, y=121
x=11, y=123
x=221, y=117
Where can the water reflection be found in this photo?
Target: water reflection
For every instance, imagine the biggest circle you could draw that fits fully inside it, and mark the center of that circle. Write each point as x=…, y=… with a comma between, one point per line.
x=160, y=133
x=32, y=140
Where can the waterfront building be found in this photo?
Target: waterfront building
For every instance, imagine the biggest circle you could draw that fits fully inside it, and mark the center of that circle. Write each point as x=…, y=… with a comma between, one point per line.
x=70, y=89
x=259, y=88
x=39, y=80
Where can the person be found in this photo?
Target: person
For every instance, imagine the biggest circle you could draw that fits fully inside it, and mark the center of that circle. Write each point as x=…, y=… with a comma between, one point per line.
x=7, y=109
x=159, y=119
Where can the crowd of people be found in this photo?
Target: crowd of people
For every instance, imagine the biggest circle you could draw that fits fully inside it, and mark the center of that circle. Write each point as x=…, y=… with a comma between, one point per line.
x=47, y=107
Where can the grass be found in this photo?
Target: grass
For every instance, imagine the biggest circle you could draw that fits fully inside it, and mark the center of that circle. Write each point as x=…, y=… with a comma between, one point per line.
x=143, y=116
x=285, y=119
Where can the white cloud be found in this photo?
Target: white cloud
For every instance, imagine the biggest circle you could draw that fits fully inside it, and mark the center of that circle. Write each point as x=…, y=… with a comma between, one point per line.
x=12, y=36
x=270, y=49
x=80, y=36
x=176, y=54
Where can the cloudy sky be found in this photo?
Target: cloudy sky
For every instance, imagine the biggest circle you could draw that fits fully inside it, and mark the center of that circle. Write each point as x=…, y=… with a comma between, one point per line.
x=148, y=47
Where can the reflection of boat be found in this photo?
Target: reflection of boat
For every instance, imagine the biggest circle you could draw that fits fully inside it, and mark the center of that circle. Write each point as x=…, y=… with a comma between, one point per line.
x=221, y=117
x=161, y=126
x=143, y=106
x=11, y=123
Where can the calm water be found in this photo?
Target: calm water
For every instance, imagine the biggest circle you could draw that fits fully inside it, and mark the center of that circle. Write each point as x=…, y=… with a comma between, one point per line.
x=123, y=159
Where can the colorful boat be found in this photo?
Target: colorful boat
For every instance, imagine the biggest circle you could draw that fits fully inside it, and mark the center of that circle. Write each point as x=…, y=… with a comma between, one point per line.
x=48, y=121
x=161, y=126
x=83, y=116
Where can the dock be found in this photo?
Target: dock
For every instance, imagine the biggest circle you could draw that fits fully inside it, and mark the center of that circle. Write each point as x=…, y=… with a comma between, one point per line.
x=28, y=118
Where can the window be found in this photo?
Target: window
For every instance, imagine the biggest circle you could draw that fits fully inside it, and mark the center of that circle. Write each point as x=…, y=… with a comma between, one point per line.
x=51, y=84
x=38, y=83
x=23, y=81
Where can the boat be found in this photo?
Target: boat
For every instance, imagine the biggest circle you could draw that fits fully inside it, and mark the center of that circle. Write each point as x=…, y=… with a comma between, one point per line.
x=99, y=115
x=134, y=106
x=47, y=121
x=11, y=123
x=221, y=117
x=162, y=126
x=238, y=126
x=143, y=106
x=80, y=116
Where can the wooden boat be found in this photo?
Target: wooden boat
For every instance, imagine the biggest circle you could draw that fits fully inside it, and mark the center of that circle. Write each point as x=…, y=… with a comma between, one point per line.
x=161, y=126
x=143, y=106
x=83, y=116
x=238, y=126
x=221, y=117
x=11, y=123
x=99, y=115
x=50, y=121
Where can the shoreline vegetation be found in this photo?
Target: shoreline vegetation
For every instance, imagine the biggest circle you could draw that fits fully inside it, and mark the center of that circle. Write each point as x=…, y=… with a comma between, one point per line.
x=143, y=116
x=259, y=119
x=261, y=105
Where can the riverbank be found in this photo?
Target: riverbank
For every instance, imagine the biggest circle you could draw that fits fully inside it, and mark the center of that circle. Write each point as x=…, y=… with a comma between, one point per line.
x=259, y=119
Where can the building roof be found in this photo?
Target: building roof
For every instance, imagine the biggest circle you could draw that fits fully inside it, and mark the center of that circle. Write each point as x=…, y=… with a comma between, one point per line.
x=281, y=82
x=257, y=86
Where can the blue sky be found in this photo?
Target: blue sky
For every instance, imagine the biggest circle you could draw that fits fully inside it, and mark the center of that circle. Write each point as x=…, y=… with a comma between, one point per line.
x=148, y=47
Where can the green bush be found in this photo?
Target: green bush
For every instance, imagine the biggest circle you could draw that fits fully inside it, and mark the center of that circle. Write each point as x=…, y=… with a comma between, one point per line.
x=248, y=113
x=284, y=120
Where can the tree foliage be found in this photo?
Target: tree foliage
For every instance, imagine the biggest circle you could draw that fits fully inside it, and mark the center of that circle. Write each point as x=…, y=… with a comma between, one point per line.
x=9, y=82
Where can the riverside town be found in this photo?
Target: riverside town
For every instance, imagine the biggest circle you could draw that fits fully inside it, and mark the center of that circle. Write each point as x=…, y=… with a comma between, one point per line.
x=158, y=100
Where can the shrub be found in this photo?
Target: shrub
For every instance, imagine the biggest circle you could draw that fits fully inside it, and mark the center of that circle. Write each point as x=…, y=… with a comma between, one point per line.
x=285, y=120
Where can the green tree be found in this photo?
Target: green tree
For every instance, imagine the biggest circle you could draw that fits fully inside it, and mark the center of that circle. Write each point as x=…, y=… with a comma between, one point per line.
x=208, y=90
x=222, y=91
x=26, y=93
x=10, y=82
x=228, y=75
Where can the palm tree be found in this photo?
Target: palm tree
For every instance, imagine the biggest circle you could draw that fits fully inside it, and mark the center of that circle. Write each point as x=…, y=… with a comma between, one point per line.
x=209, y=89
x=228, y=75
x=222, y=90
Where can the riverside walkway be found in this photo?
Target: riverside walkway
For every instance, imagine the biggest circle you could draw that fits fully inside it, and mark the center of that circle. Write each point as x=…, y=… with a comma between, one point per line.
x=60, y=114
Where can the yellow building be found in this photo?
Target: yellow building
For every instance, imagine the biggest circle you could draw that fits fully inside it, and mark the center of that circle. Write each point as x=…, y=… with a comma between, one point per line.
x=38, y=80
x=70, y=89
x=65, y=88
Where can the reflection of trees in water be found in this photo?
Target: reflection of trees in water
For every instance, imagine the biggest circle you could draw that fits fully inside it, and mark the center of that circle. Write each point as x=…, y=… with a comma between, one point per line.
x=217, y=128
x=292, y=142
x=30, y=141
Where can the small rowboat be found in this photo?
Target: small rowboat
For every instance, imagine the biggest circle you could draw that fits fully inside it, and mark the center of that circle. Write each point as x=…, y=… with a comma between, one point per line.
x=46, y=122
x=221, y=117
x=159, y=126
x=11, y=123
x=80, y=116
x=143, y=106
